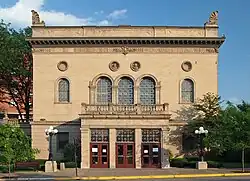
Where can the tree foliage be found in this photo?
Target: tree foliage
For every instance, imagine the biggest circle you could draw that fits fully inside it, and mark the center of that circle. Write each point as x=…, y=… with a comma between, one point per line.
x=15, y=145
x=231, y=130
x=15, y=68
x=206, y=108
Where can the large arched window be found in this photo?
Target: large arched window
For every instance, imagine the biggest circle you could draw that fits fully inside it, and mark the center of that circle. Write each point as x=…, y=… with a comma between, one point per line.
x=187, y=91
x=126, y=91
x=147, y=91
x=104, y=90
x=63, y=90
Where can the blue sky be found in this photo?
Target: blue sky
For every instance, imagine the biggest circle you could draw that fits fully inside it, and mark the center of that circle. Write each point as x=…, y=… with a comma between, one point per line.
x=234, y=64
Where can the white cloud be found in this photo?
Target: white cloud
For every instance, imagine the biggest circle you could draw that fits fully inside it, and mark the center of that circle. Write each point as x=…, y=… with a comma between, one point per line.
x=235, y=100
x=117, y=14
x=20, y=15
x=99, y=12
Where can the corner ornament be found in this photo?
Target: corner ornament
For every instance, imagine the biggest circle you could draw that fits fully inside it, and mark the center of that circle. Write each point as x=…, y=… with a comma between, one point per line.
x=36, y=19
x=213, y=19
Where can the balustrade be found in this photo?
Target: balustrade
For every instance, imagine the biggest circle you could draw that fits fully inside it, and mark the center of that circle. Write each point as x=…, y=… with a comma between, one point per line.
x=125, y=109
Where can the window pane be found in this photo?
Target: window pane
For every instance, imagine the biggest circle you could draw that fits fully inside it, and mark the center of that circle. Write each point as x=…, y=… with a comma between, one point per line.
x=125, y=91
x=99, y=135
x=147, y=91
x=187, y=91
x=151, y=135
x=63, y=139
x=125, y=135
x=63, y=89
x=104, y=91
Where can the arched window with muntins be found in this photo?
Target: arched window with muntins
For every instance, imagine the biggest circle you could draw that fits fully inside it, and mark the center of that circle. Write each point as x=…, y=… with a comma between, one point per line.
x=126, y=91
x=187, y=91
x=104, y=91
x=63, y=90
x=147, y=91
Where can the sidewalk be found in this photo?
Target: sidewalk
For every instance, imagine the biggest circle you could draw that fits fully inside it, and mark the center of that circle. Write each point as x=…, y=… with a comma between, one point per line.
x=109, y=174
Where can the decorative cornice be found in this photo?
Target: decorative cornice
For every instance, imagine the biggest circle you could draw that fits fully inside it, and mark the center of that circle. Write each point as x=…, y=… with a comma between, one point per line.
x=75, y=122
x=125, y=42
x=137, y=50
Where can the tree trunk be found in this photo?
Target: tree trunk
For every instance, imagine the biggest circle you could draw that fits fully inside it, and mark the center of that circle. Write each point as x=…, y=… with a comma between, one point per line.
x=9, y=169
x=243, y=159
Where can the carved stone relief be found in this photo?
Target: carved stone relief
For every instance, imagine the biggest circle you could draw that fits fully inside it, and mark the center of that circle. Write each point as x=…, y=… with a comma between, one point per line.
x=114, y=66
x=62, y=66
x=135, y=66
x=186, y=66
x=132, y=50
x=36, y=19
x=213, y=19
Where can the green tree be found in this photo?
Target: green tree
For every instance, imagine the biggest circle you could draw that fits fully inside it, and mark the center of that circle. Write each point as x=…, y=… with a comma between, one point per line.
x=16, y=69
x=15, y=145
x=231, y=130
x=206, y=109
x=203, y=112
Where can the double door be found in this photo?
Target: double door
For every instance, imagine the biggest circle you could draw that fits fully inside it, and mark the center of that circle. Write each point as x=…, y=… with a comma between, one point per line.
x=99, y=155
x=151, y=155
x=125, y=155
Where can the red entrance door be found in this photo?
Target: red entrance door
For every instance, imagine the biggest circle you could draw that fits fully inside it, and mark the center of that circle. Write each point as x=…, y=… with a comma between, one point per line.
x=125, y=155
x=99, y=155
x=151, y=155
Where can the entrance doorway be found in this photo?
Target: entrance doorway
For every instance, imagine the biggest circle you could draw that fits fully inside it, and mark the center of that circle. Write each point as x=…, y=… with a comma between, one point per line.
x=99, y=155
x=99, y=148
x=125, y=155
x=151, y=148
x=151, y=155
x=125, y=148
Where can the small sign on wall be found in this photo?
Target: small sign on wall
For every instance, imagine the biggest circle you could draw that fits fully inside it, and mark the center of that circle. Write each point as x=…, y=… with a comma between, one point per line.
x=94, y=150
x=104, y=150
x=145, y=151
x=155, y=149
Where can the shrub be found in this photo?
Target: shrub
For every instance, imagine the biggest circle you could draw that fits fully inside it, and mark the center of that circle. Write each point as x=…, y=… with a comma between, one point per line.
x=192, y=158
x=214, y=164
x=178, y=162
x=70, y=164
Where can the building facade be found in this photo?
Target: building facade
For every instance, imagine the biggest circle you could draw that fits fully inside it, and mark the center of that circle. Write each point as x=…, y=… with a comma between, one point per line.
x=119, y=88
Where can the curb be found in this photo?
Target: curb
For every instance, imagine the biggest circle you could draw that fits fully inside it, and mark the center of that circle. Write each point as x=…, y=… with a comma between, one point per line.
x=137, y=177
x=157, y=176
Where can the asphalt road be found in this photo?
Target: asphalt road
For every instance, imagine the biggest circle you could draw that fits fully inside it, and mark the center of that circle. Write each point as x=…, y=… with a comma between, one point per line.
x=204, y=179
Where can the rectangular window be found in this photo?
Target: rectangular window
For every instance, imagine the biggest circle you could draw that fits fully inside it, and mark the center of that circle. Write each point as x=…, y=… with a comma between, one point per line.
x=62, y=140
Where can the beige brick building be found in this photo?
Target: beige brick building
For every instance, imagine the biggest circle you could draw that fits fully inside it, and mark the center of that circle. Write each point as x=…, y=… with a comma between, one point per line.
x=118, y=88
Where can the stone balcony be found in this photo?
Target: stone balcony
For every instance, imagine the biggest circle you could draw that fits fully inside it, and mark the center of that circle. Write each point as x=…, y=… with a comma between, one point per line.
x=116, y=109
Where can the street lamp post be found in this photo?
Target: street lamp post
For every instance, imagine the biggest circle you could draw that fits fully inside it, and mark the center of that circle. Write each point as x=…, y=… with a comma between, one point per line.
x=201, y=132
x=50, y=132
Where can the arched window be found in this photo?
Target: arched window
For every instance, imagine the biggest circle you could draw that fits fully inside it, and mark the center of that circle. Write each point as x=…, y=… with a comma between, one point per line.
x=187, y=91
x=63, y=90
x=126, y=91
x=147, y=91
x=104, y=90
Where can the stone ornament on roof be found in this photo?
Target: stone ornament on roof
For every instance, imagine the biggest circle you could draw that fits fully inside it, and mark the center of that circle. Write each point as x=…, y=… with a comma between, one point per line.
x=36, y=19
x=213, y=19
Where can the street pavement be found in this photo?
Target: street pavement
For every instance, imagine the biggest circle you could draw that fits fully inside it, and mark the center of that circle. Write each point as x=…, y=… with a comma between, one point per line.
x=129, y=173
x=176, y=179
x=204, y=179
